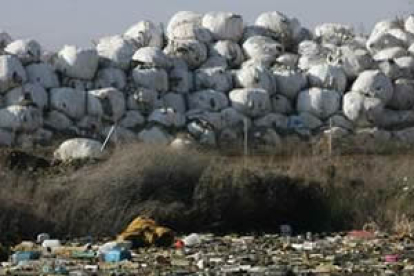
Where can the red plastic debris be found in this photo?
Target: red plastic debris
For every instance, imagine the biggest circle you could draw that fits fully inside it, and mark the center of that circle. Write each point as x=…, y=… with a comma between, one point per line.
x=391, y=258
x=361, y=234
x=179, y=244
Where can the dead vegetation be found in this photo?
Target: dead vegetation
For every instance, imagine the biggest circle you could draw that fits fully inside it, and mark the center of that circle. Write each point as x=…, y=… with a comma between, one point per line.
x=193, y=191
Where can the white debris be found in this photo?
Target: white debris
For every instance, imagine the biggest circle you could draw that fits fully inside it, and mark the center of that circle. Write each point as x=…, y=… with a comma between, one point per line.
x=78, y=148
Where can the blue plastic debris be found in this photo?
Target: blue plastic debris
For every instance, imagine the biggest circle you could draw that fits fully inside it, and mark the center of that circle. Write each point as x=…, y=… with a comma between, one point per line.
x=22, y=256
x=117, y=255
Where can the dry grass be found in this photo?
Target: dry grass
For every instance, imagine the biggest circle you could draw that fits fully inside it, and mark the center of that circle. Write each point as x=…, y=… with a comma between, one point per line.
x=194, y=191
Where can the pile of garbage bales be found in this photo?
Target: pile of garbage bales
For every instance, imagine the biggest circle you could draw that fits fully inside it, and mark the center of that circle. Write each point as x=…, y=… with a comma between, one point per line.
x=206, y=79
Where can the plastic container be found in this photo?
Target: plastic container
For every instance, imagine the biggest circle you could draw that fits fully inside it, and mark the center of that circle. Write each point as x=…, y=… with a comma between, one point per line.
x=115, y=256
x=22, y=256
x=51, y=243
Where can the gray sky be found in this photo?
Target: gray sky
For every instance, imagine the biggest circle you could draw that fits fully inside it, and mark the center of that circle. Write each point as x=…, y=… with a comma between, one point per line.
x=55, y=23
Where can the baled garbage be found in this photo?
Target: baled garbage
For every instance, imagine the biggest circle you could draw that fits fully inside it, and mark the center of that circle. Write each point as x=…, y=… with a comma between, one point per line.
x=208, y=77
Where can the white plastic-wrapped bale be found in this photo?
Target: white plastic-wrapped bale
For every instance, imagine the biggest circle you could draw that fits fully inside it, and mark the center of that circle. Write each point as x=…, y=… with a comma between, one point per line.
x=151, y=78
x=209, y=100
x=262, y=47
x=224, y=25
x=391, y=38
x=77, y=84
x=288, y=60
x=187, y=25
x=409, y=24
x=333, y=33
x=5, y=39
x=229, y=138
x=146, y=34
x=180, y=78
x=78, y=148
x=112, y=102
x=69, y=101
x=42, y=74
x=253, y=30
x=405, y=136
x=20, y=118
x=111, y=77
x=27, y=50
x=390, y=53
x=354, y=61
x=231, y=118
x=213, y=78
x=182, y=143
x=151, y=57
x=28, y=94
x=57, y=121
x=77, y=63
x=116, y=51
x=132, y=119
x=264, y=137
x=328, y=77
x=385, y=25
x=390, y=69
x=167, y=117
x=395, y=119
x=175, y=101
x=12, y=73
x=202, y=133
x=282, y=26
x=310, y=121
x=311, y=54
x=211, y=120
x=406, y=65
x=215, y=62
x=229, y=50
x=339, y=121
x=360, y=110
x=6, y=138
x=374, y=83
x=144, y=100
x=252, y=76
x=193, y=52
x=252, y=102
x=281, y=104
x=120, y=135
x=290, y=82
x=322, y=103
x=403, y=96
x=89, y=126
x=155, y=135
x=279, y=122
